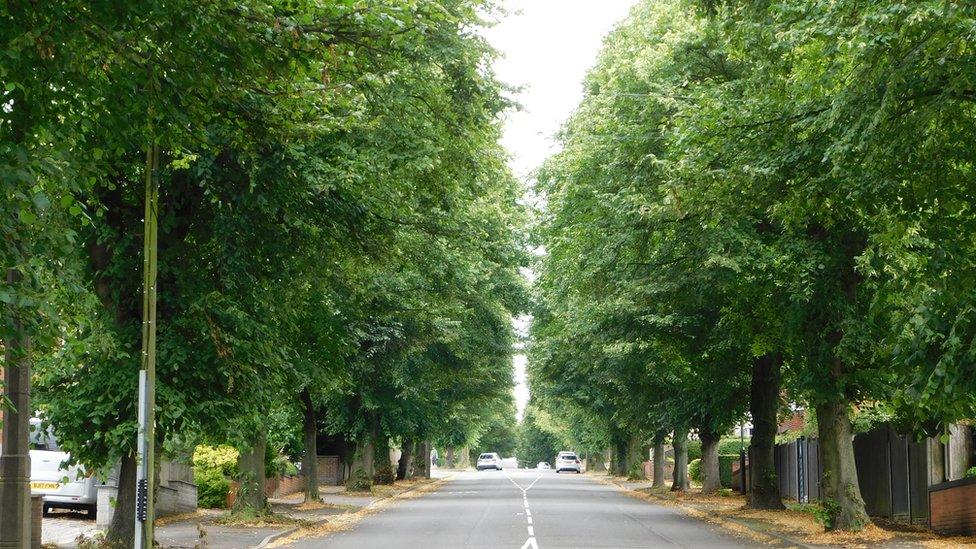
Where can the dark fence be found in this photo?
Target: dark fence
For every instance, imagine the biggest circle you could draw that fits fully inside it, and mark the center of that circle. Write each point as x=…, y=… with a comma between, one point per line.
x=799, y=471
x=894, y=472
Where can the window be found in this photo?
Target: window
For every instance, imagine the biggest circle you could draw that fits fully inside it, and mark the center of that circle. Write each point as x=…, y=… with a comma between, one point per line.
x=42, y=440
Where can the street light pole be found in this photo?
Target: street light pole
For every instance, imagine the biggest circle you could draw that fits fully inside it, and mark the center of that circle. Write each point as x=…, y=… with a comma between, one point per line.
x=145, y=458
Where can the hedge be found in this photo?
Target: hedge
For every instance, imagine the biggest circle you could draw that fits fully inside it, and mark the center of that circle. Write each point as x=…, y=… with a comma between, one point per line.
x=725, y=468
x=212, y=487
x=695, y=470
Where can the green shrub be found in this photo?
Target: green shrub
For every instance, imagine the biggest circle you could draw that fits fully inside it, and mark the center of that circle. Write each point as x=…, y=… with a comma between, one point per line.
x=694, y=450
x=278, y=465
x=725, y=468
x=695, y=470
x=221, y=457
x=384, y=475
x=971, y=472
x=359, y=481
x=212, y=487
x=636, y=472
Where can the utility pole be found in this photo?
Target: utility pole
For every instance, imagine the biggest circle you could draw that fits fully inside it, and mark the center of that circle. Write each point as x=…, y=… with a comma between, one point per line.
x=146, y=445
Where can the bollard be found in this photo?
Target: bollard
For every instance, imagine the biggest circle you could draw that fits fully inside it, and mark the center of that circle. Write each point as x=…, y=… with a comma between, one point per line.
x=37, y=513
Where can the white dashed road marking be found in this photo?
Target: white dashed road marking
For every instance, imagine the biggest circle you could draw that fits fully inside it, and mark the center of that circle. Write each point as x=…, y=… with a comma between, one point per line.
x=530, y=543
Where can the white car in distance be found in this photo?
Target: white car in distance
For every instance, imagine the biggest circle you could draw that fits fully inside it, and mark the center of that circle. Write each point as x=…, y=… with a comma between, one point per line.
x=568, y=461
x=489, y=460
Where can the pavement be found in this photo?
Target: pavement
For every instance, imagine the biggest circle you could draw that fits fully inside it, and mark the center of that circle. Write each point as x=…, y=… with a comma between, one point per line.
x=62, y=527
x=527, y=509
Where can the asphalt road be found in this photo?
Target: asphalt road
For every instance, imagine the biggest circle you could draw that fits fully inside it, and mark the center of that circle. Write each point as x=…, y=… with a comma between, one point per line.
x=527, y=509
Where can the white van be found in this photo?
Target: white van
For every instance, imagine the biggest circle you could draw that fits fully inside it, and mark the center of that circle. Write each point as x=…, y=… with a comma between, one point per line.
x=62, y=487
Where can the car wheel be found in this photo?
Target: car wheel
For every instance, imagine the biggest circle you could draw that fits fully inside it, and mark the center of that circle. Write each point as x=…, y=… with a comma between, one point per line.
x=93, y=511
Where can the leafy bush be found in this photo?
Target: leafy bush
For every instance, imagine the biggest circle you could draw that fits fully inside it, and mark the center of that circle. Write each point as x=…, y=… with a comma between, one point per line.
x=223, y=458
x=636, y=472
x=278, y=464
x=359, y=481
x=212, y=487
x=971, y=472
x=725, y=468
x=695, y=470
x=384, y=475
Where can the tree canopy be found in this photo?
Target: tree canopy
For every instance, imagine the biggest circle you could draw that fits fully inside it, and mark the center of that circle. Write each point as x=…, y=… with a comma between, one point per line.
x=759, y=203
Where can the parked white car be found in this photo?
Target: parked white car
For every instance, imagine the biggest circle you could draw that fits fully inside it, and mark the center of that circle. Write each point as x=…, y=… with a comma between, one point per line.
x=62, y=487
x=567, y=461
x=543, y=465
x=489, y=460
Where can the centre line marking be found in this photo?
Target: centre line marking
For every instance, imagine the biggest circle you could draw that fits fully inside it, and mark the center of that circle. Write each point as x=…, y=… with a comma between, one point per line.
x=530, y=543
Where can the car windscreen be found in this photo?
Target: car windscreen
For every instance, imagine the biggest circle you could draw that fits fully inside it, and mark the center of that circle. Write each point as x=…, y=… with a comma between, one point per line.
x=42, y=439
x=568, y=456
x=486, y=456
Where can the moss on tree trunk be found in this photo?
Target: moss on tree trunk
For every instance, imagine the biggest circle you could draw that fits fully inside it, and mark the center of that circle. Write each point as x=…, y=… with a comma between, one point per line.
x=711, y=476
x=250, y=463
x=679, y=480
x=841, y=492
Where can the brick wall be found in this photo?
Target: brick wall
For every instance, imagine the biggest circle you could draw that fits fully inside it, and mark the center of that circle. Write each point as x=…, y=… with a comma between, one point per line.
x=952, y=507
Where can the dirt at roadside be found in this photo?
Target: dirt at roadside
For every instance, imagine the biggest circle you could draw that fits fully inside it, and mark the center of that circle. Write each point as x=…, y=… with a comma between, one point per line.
x=796, y=526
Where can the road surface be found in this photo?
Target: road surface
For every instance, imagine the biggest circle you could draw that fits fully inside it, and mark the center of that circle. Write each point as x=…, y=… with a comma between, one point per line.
x=526, y=509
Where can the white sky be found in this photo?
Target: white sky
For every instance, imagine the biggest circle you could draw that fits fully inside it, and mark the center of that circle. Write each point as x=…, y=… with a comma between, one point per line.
x=547, y=47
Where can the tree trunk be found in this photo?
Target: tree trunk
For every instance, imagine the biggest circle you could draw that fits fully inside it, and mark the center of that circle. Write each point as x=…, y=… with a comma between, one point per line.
x=369, y=457
x=679, y=480
x=310, y=462
x=764, y=405
x=842, y=494
x=250, y=491
x=635, y=458
x=660, y=458
x=15, y=466
x=619, y=462
x=122, y=530
x=465, y=461
x=711, y=476
x=381, y=452
x=422, y=460
x=404, y=467
x=449, y=457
